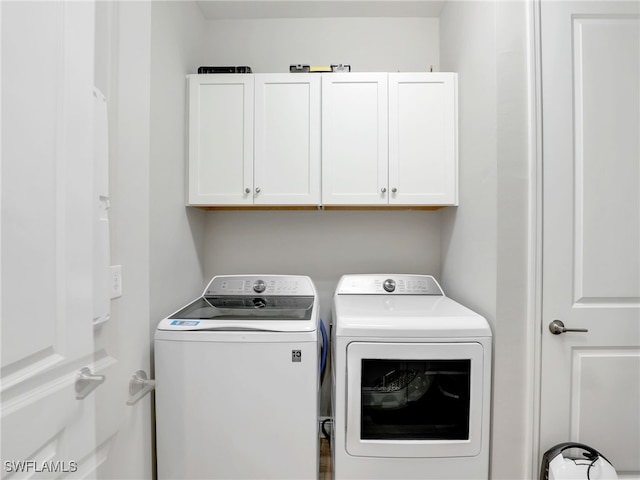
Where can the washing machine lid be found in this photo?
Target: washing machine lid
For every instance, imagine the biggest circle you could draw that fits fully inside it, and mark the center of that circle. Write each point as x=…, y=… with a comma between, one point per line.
x=418, y=310
x=250, y=302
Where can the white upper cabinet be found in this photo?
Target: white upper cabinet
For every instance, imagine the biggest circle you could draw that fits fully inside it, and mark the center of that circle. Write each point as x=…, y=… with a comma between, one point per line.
x=336, y=139
x=354, y=139
x=221, y=139
x=389, y=139
x=287, y=139
x=422, y=139
x=254, y=139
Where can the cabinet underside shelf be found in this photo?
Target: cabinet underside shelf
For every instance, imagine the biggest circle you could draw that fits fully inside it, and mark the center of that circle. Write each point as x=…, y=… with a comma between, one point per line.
x=319, y=207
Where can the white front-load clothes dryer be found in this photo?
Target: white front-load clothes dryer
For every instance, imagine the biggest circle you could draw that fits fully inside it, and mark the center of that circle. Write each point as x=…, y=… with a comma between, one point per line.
x=237, y=383
x=412, y=381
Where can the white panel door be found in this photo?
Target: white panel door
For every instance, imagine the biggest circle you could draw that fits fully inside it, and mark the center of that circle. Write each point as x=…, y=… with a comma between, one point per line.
x=221, y=139
x=591, y=231
x=47, y=228
x=354, y=139
x=422, y=139
x=287, y=139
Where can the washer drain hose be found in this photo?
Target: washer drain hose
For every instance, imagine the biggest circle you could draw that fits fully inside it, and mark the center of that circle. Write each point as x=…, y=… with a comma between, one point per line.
x=325, y=348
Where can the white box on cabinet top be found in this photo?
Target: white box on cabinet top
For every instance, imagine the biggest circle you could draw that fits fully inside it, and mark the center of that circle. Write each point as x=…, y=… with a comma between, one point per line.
x=254, y=140
x=388, y=139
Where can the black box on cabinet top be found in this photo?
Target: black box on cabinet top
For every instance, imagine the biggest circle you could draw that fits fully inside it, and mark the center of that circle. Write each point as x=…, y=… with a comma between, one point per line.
x=216, y=69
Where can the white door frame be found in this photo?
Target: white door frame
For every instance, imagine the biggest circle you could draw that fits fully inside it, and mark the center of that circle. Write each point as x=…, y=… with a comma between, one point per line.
x=534, y=317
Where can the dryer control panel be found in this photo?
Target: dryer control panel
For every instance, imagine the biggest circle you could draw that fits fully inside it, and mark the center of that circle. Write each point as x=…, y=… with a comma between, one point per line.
x=388, y=285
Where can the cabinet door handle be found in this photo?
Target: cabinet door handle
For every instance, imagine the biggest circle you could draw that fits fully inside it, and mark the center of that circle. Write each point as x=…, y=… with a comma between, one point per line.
x=394, y=190
x=247, y=190
x=383, y=189
x=257, y=190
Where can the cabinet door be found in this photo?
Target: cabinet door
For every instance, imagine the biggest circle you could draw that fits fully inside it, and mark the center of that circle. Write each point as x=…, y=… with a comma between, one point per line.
x=287, y=139
x=220, y=139
x=423, y=139
x=354, y=139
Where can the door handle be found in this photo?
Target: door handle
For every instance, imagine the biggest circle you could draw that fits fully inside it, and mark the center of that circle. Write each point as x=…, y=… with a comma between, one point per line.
x=87, y=382
x=557, y=327
x=139, y=386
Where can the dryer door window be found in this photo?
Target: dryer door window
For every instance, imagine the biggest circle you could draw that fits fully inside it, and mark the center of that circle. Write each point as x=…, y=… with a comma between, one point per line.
x=414, y=399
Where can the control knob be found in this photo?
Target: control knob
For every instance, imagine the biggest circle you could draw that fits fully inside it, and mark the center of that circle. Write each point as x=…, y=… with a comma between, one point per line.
x=259, y=286
x=389, y=285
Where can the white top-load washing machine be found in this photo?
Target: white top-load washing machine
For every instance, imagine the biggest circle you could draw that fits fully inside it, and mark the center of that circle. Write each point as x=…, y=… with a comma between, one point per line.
x=412, y=381
x=237, y=383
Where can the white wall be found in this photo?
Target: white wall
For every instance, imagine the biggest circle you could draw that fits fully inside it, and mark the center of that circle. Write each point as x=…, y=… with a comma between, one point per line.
x=485, y=249
x=322, y=244
x=176, y=232
x=367, y=44
x=513, y=398
x=467, y=46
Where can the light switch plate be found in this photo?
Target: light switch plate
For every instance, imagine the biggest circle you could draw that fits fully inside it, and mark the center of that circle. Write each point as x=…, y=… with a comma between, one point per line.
x=116, y=281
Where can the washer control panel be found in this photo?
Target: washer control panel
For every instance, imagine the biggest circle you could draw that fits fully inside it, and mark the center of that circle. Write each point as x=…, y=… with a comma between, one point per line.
x=388, y=285
x=262, y=284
